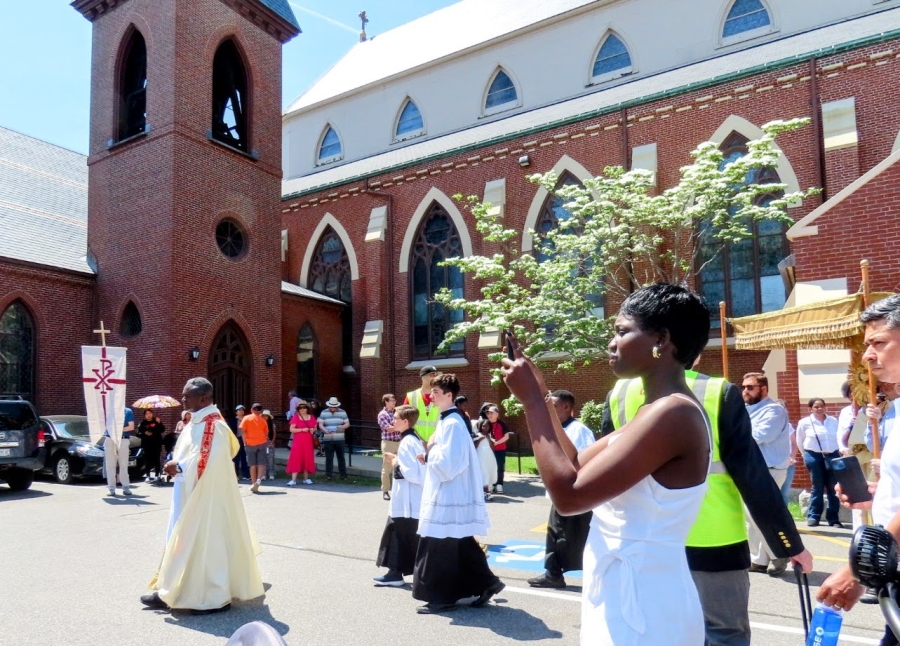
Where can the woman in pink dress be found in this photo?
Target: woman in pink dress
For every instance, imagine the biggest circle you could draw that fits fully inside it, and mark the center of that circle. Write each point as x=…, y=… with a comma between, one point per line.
x=302, y=460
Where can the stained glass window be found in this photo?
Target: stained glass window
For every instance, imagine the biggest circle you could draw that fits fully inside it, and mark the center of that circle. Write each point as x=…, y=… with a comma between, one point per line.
x=437, y=240
x=744, y=274
x=501, y=92
x=17, y=342
x=744, y=16
x=613, y=58
x=410, y=123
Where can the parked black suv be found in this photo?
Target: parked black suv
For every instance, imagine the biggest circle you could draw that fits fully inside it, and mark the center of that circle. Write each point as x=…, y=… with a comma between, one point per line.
x=22, y=449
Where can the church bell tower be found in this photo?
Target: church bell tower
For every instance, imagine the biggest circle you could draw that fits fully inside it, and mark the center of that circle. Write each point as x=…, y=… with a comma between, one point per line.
x=184, y=190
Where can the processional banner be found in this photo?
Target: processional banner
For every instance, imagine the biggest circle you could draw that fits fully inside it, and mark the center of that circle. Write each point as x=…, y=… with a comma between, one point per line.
x=103, y=375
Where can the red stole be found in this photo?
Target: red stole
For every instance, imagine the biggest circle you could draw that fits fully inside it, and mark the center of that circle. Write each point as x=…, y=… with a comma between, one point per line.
x=206, y=443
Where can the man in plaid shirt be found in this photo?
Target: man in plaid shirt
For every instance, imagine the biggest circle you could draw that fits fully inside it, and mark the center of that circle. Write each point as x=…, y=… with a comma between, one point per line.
x=390, y=442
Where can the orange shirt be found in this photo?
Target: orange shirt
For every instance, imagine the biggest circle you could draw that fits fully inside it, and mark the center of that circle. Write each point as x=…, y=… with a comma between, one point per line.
x=256, y=430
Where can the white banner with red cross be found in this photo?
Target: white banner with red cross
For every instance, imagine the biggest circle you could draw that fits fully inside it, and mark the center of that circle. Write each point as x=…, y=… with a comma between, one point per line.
x=103, y=374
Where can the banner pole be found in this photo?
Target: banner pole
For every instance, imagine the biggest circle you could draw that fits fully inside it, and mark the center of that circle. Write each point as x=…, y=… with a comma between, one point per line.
x=724, y=332
x=876, y=438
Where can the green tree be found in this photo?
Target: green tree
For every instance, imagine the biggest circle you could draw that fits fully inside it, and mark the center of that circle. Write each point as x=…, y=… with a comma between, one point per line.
x=619, y=236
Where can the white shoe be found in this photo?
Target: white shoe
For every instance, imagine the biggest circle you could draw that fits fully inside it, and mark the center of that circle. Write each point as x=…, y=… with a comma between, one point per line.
x=112, y=491
x=499, y=488
x=307, y=481
x=292, y=483
x=255, y=487
x=271, y=477
x=487, y=496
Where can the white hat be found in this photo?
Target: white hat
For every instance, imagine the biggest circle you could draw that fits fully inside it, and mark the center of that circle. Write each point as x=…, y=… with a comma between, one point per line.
x=333, y=403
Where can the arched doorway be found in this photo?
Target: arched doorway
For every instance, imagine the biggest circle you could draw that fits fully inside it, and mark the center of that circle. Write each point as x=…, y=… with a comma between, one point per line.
x=229, y=369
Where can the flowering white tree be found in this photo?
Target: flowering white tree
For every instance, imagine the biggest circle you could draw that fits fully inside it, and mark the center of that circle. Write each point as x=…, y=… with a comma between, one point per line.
x=619, y=236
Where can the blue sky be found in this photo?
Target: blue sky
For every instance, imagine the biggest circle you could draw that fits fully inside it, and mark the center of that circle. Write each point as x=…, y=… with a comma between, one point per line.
x=45, y=49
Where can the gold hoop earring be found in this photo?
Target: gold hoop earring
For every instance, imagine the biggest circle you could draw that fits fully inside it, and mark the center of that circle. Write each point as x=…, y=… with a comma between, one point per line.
x=656, y=354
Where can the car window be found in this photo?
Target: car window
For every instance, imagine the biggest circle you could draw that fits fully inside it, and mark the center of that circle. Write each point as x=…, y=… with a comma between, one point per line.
x=73, y=428
x=16, y=416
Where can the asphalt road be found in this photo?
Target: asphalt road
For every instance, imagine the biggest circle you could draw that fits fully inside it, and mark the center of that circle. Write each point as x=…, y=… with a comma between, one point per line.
x=73, y=564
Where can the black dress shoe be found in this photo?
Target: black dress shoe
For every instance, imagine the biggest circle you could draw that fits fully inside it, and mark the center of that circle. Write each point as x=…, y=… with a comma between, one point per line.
x=435, y=608
x=485, y=596
x=758, y=569
x=212, y=611
x=837, y=524
x=152, y=600
x=547, y=580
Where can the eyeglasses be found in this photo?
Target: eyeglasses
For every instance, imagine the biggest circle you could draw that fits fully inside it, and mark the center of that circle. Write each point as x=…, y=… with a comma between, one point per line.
x=749, y=387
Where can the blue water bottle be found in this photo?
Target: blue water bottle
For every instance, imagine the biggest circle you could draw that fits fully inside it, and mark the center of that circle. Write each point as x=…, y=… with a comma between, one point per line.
x=825, y=627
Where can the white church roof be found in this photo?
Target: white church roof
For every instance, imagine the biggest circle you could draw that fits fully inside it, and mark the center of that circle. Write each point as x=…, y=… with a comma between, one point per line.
x=440, y=34
x=43, y=203
x=774, y=54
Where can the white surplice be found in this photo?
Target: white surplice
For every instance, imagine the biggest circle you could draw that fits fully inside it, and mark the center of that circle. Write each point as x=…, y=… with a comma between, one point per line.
x=406, y=492
x=453, y=496
x=210, y=555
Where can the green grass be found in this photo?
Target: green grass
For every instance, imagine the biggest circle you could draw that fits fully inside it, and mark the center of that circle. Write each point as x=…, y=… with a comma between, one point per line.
x=529, y=466
x=794, y=508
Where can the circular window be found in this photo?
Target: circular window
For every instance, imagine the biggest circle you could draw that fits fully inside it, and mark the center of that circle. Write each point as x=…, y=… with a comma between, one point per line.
x=230, y=238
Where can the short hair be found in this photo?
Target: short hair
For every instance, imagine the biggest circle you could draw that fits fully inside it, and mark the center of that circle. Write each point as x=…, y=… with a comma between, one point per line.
x=482, y=412
x=447, y=382
x=386, y=398
x=845, y=390
x=408, y=413
x=200, y=386
x=887, y=310
x=760, y=377
x=292, y=393
x=462, y=399
x=812, y=402
x=564, y=396
x=678, y=310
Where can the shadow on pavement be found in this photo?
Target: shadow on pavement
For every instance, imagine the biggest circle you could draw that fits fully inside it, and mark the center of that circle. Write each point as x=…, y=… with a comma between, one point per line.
x=8, y=494
x=523, y=487
x=513, y=623
x=125, y=501
x=224, y=624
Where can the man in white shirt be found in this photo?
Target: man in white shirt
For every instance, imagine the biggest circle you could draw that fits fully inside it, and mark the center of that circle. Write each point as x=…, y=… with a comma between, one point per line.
x=772, y=434
x=450, y=564
x=882, y=339
x=566, y=535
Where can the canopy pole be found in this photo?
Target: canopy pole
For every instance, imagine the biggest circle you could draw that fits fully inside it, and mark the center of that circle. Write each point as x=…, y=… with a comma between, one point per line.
x=724, y=333
x=876, y=438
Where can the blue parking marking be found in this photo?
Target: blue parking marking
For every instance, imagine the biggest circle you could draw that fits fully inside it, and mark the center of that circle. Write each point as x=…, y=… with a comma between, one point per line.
x=521, y=555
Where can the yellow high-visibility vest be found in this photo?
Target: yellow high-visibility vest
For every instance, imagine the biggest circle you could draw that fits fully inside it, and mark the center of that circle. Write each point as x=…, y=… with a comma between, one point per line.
x=721, y=518
x=428, y=415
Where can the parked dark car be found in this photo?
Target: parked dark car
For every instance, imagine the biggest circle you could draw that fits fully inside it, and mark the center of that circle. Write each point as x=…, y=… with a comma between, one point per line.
x=71, y=454
x=22, y=449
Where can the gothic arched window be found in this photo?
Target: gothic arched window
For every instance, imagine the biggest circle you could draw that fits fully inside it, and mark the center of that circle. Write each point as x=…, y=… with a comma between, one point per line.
x=306, y=362
x=17, y=342
x=501, y=94
x=329, y=274
x=230, y=98
x=436, y=240
x=131, y=324
x=613, y=59
x=330, y=147
x=744, y=17
x=132, y=88
x=410, y=122
x=552, y=215
x=744, y=274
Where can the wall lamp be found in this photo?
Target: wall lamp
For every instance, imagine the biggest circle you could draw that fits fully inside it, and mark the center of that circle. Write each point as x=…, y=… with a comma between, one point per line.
x=270, y=360
x=525, y=161
x=194, y=354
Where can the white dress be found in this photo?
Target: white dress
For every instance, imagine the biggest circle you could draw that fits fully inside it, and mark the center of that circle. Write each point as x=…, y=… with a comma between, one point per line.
x=638, y=589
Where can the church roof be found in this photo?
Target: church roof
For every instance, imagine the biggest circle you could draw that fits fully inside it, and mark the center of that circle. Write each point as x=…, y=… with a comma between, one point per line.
x=43, y=203
x=776, y=54
x=443, y=33
x=296, y=290
x=283, y=9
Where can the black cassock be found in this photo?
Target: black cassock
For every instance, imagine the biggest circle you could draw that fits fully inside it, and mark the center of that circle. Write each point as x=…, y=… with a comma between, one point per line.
x=566, y=536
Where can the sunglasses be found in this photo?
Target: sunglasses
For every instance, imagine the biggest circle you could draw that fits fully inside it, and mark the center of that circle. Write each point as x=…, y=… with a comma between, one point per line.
x=749, y=387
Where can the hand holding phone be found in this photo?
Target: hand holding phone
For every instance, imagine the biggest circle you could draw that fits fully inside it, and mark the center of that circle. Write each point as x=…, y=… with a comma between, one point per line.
x=849, y=475
x=510, y=352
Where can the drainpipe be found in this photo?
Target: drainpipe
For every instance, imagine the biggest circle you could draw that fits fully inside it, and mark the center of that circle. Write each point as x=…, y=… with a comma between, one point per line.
x=815, y=108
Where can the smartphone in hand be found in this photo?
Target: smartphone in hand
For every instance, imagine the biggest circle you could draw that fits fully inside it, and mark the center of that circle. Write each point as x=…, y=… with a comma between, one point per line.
x=510, y=353
x=849, y=475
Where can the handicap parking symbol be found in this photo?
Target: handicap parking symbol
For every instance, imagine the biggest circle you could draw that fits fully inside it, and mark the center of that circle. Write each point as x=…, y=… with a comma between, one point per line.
x=520, y=555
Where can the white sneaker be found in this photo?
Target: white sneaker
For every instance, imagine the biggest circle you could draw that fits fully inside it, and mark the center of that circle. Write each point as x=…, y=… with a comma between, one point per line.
x=307, y=481
x=292, y=483
x=487, y=496
x=499, y=488
x=255, y=486
x=271, y=477
x=112, y=491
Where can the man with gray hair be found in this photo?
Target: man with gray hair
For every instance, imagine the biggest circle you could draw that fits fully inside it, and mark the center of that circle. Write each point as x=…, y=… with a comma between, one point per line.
x=882, y=340
x=209, y=558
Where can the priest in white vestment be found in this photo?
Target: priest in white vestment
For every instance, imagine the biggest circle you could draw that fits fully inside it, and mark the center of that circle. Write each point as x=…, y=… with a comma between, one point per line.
x=450, y=564
x=210, y=556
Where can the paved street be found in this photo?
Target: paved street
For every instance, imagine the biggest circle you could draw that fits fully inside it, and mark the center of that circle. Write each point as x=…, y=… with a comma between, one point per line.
x=74, y=563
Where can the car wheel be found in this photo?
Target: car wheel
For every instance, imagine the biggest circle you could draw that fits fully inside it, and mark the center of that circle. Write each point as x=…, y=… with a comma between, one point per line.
x=62, y=470
x=19, y=479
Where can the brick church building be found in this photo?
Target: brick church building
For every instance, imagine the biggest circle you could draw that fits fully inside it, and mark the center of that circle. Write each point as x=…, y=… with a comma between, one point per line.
x=214, y=238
